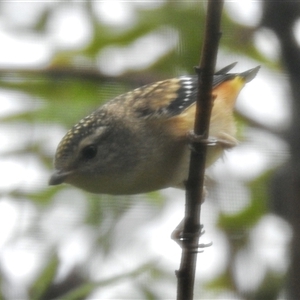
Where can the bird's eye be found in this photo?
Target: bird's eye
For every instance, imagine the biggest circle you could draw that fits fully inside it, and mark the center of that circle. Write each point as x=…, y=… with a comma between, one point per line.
x=89, y=152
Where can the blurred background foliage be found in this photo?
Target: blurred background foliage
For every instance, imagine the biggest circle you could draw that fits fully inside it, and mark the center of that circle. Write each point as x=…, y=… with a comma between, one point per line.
x=60, y=61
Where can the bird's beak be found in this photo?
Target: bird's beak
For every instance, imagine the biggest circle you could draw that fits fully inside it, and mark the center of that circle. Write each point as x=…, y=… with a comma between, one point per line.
x=58, y=177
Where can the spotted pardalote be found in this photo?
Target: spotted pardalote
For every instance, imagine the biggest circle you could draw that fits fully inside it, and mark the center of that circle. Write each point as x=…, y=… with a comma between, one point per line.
x=138, y=142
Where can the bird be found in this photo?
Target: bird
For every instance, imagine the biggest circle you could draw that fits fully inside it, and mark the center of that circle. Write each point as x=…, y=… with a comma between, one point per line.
x=139, y=141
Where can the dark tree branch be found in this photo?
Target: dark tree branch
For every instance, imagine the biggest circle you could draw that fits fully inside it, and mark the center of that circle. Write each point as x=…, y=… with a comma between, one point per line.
x=281, y=17
x=79, y=73
x=194, y=185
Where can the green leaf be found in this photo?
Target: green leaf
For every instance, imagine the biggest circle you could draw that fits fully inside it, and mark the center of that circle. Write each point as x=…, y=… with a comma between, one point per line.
x=44, y=280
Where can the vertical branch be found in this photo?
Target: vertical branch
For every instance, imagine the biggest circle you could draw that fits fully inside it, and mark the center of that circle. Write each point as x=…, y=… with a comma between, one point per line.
x=281, y=16
x=194, y=185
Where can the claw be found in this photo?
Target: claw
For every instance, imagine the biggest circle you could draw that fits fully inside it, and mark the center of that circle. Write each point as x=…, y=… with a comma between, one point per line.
x=180, y=238
x=202, y=246
x=211, y=141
